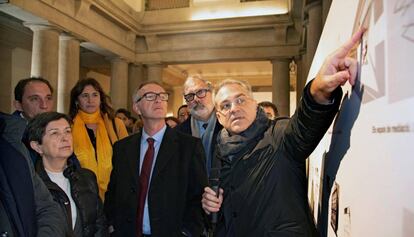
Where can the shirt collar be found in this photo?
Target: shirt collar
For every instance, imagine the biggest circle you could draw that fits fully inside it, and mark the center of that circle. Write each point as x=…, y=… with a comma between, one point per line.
x=157, y=137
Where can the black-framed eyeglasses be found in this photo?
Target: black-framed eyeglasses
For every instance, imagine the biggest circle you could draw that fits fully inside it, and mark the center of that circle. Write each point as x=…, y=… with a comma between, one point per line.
x=151, y=96
x=200, y=94
x=225, y=107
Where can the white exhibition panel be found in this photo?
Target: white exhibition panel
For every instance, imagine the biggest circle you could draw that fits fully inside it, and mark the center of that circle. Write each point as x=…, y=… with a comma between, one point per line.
x=363, y=169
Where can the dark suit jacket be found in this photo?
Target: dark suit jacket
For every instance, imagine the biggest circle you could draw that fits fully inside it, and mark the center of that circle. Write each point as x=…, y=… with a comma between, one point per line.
x=176, y=187
x=185, y=127
x=16, y=192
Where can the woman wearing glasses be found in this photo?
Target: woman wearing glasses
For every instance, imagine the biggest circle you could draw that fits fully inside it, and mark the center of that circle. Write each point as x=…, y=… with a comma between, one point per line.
x=95, y=129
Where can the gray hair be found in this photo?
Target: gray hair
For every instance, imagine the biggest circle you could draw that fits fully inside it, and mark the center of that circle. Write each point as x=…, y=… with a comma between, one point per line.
x=197, y=77
x=135, y=96
x=244, y=84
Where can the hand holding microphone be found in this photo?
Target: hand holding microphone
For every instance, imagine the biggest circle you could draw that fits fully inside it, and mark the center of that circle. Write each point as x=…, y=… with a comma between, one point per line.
x=214, y=181
x=212, y=200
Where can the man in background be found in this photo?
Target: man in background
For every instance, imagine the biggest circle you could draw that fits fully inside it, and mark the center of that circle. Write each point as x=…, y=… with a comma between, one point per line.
x=127, y=118
x=202, y=122
x=32, y=96
x=182, y=113
x=270, y=109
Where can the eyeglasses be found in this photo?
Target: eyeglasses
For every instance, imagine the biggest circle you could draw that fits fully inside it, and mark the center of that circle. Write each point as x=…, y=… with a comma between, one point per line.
x=225, y=107
x=200, y=94
x=151, y=96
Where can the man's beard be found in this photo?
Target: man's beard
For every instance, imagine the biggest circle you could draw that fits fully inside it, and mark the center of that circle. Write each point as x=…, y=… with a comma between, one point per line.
x=199, y=110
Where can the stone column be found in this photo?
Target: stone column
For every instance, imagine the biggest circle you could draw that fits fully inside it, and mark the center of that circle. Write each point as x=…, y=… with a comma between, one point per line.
x=68, y=73
x=177, y=99
x=304, y=55
x=280, y=84
x=300, y=79
x=119, y=83
x=83, y=72
x=45, y=53
x=171, y=98
x=135, y=78
x=6, y=93
x=314, y=29
x=326, y=5
x=155, y=72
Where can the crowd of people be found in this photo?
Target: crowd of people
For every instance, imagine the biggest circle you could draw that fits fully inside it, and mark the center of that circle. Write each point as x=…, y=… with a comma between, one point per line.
x=101, y=172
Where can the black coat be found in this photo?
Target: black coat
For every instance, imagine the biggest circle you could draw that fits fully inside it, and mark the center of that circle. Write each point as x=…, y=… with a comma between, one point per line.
x=28, y=205
x=174, y=196
x=84, y=190
x=16, y=193
x=265, y=185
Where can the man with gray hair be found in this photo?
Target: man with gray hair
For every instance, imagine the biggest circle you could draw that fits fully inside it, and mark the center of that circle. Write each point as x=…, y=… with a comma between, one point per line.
x=263, y=177
x=202, y=122
x=158, y=175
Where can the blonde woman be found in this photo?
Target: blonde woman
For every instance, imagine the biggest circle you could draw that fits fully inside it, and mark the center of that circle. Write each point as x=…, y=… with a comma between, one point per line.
x=95, y=129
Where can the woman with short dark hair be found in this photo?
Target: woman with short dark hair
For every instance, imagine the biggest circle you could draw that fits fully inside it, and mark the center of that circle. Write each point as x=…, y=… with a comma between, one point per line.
x=95, y=129
x=75, y=189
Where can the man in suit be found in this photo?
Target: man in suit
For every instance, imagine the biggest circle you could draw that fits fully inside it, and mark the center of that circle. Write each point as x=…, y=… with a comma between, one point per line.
x=32, y=96
x=161, y=197
x=198, y=93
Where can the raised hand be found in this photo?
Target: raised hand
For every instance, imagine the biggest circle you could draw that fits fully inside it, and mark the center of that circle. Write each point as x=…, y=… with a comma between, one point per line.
x=337, y=69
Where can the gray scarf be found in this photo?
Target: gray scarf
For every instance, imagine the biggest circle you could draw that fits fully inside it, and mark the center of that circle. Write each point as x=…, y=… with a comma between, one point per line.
x=230, y=146
x=207, y=138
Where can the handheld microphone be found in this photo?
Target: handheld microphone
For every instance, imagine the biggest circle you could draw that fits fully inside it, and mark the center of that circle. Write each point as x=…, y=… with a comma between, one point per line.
x=214, y=181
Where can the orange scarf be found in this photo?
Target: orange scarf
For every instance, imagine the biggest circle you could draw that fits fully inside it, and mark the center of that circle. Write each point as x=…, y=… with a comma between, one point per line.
x=84, y=150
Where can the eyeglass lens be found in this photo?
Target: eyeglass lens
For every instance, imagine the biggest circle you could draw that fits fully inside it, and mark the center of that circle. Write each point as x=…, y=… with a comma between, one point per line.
x=151, y=96
x=200, y=94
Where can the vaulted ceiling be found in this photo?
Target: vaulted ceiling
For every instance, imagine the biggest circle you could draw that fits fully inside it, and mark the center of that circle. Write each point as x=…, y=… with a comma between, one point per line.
x=180, y=37
x=237, y=46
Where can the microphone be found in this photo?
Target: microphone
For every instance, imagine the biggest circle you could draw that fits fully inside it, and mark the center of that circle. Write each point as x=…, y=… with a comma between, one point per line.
x=214, y=181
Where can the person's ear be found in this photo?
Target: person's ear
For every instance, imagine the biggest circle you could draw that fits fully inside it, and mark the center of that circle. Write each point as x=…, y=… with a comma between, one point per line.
x=136, y=109
x=220, y=118
x=17, y=105
x=36, y=146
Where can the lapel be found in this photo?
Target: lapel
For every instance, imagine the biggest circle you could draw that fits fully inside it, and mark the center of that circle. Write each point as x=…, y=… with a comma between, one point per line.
x=133, y=154
x=167, y=150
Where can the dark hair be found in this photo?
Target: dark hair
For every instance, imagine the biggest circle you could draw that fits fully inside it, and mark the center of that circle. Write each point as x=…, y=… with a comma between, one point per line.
x=173, y=119
x=182, y=106
x=77, y=90
x=37, y=126
x=124, y=111
x=271, y=105
x=21, y=85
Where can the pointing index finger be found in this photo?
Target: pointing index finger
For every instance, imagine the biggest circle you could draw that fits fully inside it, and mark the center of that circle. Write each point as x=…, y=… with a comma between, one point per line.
x=346, y=48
